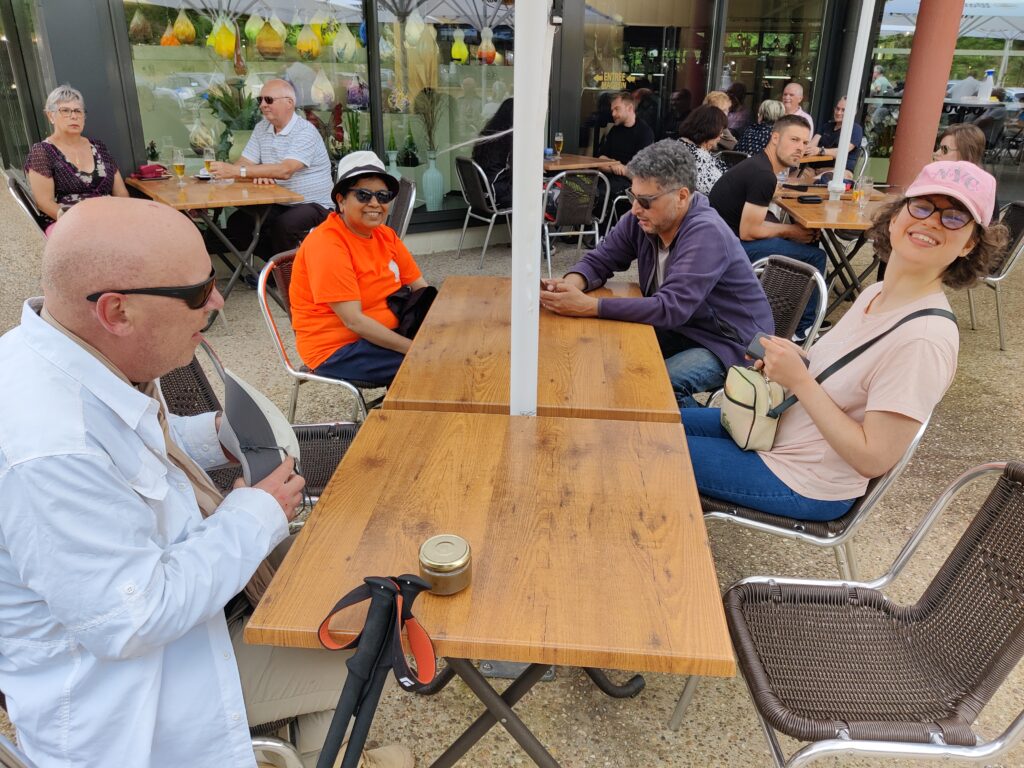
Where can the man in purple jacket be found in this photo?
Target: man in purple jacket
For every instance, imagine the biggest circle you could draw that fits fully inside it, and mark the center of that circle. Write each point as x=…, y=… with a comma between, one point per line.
x=699, y=291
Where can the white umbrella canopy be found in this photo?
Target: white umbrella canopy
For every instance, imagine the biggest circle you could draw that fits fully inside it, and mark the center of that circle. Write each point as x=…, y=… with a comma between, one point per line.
x=998, y=19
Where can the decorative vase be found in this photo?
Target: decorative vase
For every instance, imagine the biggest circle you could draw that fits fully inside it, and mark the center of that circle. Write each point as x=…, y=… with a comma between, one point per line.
x=433, y=184
x=393, y=164
x=238, y=141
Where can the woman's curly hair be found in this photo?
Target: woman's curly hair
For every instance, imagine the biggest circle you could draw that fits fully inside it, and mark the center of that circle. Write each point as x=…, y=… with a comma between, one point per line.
x=988, y=251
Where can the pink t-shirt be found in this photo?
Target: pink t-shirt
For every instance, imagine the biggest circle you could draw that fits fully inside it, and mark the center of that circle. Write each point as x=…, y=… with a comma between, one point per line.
x=907, y=372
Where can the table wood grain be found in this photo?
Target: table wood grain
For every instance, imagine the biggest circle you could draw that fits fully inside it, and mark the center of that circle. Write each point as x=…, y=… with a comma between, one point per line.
x=587, y=367
x=831, y=214
x=203, y=194
x=589, y=546
x=577, y=163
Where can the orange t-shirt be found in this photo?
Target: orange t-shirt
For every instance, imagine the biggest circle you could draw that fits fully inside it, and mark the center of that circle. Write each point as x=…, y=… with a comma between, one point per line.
x=335, y=264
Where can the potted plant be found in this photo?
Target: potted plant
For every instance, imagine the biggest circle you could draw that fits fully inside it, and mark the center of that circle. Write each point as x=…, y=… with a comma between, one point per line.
x=430, y=105
x=239, y=113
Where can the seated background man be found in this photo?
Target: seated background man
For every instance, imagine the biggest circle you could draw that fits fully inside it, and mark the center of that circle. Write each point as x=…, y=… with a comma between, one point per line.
x=700, y=293
x=284, y=149
x=343, y=274
x=117, y=553
x=625, y=138
x=827, y=143
x=792, y=100
x=745, y=191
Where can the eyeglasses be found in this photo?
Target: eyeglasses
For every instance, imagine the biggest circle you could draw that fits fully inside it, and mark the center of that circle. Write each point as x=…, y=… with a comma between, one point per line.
x=195, y=296
x=945, y=149
x=951, y=218
x=268, y=100
x=70, y=111
x=647, y=200
x=364, y=196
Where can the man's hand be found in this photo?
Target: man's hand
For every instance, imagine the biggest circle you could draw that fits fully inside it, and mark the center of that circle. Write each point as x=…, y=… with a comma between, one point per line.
x=618, y=169
x=264, y=180
x=565, y=298
x=800, y=234
x=284, y=485
x=221, y=170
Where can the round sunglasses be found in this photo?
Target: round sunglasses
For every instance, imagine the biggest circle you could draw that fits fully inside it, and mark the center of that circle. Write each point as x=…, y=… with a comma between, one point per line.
x=364, y=196
x=194, y=296
x=951, y=218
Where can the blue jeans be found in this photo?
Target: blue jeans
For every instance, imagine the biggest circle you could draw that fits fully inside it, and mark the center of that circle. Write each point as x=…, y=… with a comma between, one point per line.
x=362, y=361
x=694, y=370
x=805, y=252
x=724, y=471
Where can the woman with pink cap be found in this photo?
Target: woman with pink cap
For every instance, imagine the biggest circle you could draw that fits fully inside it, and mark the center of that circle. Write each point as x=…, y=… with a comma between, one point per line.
x=858, y=423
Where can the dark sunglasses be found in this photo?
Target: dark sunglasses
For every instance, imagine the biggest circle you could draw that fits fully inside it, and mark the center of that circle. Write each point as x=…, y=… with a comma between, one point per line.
x=951, y=218
x=195, y=296
x=364, y=196
x=268, y=100
x=647, y=200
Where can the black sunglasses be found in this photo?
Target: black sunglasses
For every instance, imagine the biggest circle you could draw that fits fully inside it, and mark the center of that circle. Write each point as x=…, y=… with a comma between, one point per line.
x=195, y=296
x=364, y=196
x=951, y=218
x=647, y=200
x=268, y=100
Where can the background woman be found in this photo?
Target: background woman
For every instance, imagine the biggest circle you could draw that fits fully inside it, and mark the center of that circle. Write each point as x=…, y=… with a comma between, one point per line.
x=700, y=133
x=739, y=113
x=859, y=422
x=66, y=167
x=757, y=135
x=495, y=156
x=961, y=141
x=721, y=100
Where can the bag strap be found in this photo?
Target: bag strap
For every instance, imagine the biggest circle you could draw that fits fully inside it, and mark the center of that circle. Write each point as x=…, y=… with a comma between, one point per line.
x=851, y=355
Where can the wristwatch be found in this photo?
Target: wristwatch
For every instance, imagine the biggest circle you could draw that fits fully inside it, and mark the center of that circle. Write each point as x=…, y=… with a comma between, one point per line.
x=241, y=172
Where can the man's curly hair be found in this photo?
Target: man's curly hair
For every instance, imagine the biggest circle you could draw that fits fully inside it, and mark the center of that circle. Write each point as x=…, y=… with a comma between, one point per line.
x=988, y=251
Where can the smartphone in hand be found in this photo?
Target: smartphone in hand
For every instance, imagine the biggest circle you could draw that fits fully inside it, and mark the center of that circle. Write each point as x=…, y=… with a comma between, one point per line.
x=755, y=350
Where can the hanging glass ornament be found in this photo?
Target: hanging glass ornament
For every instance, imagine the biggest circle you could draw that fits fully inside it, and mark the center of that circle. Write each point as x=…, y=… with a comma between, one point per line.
x=239, y=63
x=168, y=38
x=184, y=30
x=460, y=53
x=269, y=42
x=486, y=51
x=387, y=50
x=253, y=27
x=307, y=43
x=345, y=45
x=322, y=92
x=139, y=30
x=414, y=27
x=224, y=42
x=317, y=25
x=278, y=26
x=253, y=85
x=362, y=33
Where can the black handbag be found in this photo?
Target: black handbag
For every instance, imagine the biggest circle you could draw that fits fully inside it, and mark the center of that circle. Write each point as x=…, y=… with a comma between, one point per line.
x=411, y=307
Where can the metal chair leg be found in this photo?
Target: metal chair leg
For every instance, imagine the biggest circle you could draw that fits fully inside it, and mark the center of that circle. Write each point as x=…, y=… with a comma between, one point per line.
x=465, y=224
x=999, y=319
x=970, y=305
x=487, y=239
x=293, y=400
x=846, y=561
x=547, y=249
x=684, y=701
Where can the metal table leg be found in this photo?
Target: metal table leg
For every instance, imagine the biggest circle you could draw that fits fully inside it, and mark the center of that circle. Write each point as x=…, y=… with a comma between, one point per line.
x=499, y=709
x=842, y=268
x=259, y=214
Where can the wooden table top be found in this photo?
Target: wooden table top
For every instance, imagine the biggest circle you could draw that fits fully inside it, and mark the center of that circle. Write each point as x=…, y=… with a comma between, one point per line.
x=587, y=367
x=589, y=547
x=577, y=163
x=203, y=194
x=816, y=159
x=838, y=214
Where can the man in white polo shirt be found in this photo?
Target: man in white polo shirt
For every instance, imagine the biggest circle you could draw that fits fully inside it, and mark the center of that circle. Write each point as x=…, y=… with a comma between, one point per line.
x=792, y=98
x=284, y=149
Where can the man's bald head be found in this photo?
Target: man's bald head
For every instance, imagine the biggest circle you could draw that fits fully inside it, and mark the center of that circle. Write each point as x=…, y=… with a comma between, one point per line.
x=110, y=244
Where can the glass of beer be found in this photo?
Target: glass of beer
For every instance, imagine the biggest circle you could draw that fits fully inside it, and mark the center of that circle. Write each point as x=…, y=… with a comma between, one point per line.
x=208, y=158
x=178, y=163
x=863, y=191
x=559, y=143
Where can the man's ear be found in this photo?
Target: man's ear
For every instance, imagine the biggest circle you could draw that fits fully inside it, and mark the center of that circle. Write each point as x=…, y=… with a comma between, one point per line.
x=113, y=314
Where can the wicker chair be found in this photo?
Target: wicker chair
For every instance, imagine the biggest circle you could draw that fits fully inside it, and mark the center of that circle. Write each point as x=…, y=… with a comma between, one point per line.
x=579, y=195
x=400, y=212
x=481, y=203
x=789, y=284
x=280, y=268
x=1013, y=218
x=841, y=665
x=187, y=392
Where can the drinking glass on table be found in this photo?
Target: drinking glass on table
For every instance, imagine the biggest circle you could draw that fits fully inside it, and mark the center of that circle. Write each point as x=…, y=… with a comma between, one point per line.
x=178, y=161
x=559, y=143
x=862, y=192
x=208, y=158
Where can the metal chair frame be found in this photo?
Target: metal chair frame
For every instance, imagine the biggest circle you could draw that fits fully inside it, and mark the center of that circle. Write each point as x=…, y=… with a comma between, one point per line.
x=19, y=191
x=613, y=212
x=985, y=751
x=761, y=266
x=477, y=191
x=402, y=207
x=578, y=231
x=995, y=281
x=300, y=374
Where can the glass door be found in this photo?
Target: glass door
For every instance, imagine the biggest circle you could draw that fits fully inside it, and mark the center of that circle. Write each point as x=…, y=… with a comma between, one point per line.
x=21, y=89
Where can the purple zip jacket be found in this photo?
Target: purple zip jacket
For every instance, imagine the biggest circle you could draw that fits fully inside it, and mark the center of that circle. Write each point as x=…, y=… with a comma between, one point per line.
x=710, y=294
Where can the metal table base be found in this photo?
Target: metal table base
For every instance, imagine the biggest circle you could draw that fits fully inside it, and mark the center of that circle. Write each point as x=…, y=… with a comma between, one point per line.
x=245, y=259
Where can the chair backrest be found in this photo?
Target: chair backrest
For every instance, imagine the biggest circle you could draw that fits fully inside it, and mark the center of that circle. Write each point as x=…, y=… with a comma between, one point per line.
x=789, y=284
x=280, y=269
x=476, y=189
x=187, y=391
x=25, y=201
x=582, y=197
x=402, y=207
x=973, y=610
x=11, y=756
x=1013, y=218
x=732, y=157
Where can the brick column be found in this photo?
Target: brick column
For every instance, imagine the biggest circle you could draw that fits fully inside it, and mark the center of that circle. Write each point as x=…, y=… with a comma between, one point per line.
x=931, y=56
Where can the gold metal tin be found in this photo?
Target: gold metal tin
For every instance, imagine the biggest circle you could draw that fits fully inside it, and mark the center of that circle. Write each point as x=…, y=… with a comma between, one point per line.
x=446, y=561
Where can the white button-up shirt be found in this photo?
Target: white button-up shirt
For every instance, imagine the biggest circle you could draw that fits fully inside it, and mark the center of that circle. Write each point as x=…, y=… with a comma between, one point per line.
x=114, y=650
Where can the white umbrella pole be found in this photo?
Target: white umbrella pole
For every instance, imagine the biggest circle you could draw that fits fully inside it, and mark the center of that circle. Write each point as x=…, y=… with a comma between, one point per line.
x=532, y=74
x=860, y=51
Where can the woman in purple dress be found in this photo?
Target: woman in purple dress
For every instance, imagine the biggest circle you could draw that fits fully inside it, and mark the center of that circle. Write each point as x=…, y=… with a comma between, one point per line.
x=66, y=167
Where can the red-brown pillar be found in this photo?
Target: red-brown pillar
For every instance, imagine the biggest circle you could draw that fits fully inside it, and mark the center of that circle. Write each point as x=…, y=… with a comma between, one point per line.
x=931, y=56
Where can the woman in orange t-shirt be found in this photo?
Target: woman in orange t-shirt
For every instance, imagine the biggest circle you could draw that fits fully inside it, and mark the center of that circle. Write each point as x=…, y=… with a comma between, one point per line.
x=343, y=274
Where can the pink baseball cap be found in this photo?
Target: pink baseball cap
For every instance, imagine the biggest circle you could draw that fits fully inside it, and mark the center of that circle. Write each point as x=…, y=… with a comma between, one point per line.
x=962, y=181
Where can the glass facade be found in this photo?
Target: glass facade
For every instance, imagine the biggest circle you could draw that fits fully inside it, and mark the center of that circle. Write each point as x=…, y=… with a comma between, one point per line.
x=21, y=82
